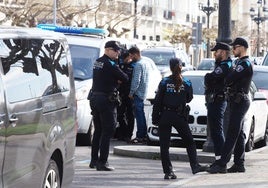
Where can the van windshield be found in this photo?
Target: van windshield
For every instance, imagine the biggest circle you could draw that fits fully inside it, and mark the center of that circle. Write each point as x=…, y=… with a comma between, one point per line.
x=83, y=58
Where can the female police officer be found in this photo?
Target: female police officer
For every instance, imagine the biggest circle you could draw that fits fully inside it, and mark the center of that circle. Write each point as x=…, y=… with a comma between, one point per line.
x=169, y=110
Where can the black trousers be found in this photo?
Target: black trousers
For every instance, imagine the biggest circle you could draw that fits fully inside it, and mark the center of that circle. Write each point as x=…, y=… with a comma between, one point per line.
x=104, y=119
x=169, y=119
x=235, y=137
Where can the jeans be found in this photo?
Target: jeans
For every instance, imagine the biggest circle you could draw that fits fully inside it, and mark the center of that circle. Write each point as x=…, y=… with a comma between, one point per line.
x=140, y=117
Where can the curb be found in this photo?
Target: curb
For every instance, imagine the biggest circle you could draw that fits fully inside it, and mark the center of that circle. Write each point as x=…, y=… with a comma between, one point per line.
x=153, y=152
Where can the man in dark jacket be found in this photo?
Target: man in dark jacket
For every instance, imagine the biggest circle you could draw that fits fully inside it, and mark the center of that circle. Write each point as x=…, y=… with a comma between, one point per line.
x=103, y=102
x=215, y=94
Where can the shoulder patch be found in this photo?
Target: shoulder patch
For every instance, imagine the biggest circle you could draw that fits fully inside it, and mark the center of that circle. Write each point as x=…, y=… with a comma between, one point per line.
x=239, y=68
x=218, y=70
x=187, y=81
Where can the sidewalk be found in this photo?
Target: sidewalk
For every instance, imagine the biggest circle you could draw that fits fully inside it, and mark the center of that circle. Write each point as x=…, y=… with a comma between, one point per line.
x=256, y=164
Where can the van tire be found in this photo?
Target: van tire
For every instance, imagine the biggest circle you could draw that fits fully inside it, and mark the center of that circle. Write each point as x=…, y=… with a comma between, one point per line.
x=52, y=176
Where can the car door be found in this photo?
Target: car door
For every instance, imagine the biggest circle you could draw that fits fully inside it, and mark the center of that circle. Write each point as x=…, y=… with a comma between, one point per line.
x=2, y=128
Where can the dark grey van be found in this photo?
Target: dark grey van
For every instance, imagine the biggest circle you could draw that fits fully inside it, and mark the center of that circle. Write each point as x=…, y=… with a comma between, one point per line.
x=37, y=109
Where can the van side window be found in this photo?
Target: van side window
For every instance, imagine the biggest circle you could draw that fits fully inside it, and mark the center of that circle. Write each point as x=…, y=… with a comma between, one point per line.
x=34, y=68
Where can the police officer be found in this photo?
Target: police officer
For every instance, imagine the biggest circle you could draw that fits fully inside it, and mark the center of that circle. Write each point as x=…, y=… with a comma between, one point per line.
x=169, y=110
x=125, y=110
x=103, y=101
x=215, y=94
x=238, y=83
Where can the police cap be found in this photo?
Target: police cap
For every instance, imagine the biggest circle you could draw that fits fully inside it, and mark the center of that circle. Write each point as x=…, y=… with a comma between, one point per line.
x=240, y=41
x=112, y=44
x=222, y=46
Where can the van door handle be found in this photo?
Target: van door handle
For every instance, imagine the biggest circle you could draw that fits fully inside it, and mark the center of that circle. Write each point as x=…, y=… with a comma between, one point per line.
x=13, y=118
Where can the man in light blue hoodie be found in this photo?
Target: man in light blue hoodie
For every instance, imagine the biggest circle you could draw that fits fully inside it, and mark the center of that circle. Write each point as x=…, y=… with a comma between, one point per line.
x=138, y=92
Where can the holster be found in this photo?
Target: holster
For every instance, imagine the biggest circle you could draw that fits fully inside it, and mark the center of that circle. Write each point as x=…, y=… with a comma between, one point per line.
x=237, y=97
x=186, y=112
x=114, y=97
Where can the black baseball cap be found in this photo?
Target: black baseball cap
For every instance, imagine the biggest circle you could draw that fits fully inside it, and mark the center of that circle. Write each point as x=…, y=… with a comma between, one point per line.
x=222, y=46
x=112, y=44
x=240, y=41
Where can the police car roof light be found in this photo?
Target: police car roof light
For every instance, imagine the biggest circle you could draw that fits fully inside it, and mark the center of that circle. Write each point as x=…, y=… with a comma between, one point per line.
x=73, y=30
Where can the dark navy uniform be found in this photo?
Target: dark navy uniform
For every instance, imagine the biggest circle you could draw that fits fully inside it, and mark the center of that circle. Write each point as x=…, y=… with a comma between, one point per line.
x=103, y=104
x=169, y=110
x=238, y=83
x=125, y=110
x=216, y=102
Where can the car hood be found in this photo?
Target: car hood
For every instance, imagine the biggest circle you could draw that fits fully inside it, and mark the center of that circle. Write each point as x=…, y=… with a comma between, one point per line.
x=198, y=106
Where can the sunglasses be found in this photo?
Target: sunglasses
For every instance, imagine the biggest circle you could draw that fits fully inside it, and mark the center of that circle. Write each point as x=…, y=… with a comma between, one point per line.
x=113, y=49
x=236, y=46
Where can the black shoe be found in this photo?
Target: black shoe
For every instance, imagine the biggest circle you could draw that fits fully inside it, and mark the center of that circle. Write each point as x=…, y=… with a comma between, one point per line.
x=236, y=168
x=92, y=164
x=215, y=168
x=170, y=175
x=199, y=168
x=104, y=167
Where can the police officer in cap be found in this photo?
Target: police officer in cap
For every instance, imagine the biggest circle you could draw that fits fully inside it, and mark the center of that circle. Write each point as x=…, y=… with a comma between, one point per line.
x=215, y=94
x=238, y=85
x=103, y=102
x=169, y=110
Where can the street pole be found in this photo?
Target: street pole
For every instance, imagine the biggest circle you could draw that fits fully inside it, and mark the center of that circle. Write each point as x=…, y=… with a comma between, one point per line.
x=208, y=10
x=224, y=28
x=258, y=19
x=55, y=12
x=135, y=19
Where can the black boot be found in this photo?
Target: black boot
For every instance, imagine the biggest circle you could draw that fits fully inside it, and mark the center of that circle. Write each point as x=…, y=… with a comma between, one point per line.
x=199, y=168
x=170, y=175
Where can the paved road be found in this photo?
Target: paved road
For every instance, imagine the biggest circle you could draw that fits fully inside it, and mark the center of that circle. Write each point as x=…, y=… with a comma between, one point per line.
x=129, y=172
x=147, y=173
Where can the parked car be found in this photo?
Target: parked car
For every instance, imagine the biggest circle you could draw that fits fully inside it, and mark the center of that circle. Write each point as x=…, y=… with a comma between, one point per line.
x=206, y=64
x=85, y=49
x=260, y=78
x=255, y=122
x=265, y=60
x=162, y=55
x=37, y=109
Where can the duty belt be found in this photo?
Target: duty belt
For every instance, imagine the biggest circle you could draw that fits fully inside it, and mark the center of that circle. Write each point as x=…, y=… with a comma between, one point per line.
x=174, y=109
x=99, y=93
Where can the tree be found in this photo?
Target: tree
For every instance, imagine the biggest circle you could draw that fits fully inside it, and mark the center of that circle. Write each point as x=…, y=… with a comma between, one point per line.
x=179, y=34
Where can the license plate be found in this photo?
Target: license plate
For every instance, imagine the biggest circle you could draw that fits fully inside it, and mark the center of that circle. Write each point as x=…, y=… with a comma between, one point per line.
x=198, y=130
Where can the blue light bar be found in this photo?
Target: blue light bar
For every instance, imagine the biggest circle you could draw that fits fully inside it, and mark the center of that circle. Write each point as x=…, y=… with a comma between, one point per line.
x=73, y=30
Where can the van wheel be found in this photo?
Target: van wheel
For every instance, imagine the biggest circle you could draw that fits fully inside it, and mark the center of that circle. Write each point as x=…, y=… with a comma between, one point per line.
x=52, y=178
x=250, y=142
x=85, y=139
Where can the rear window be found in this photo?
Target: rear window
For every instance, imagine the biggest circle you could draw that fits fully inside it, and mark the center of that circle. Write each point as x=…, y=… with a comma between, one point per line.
x=34, y=68
x=197, y=84
x=265, y=61
x=260, y=79
x=160, y=58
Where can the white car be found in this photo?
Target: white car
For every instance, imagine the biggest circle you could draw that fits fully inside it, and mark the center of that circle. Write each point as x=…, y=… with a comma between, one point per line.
x=162, y=55
x=255, y=120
